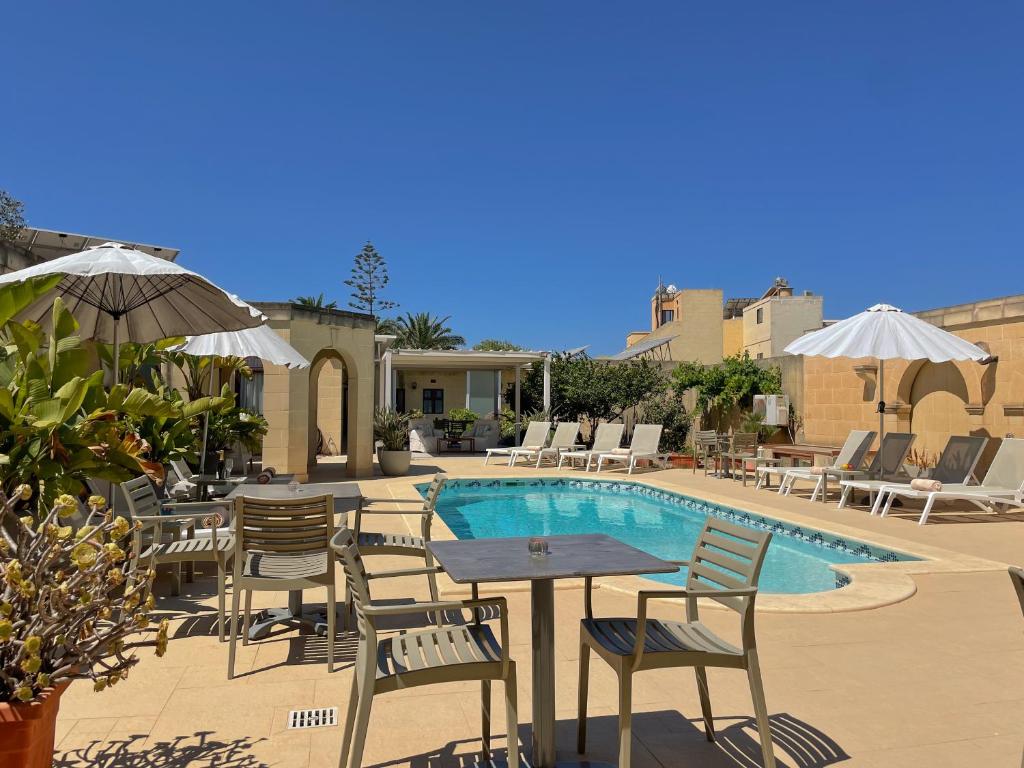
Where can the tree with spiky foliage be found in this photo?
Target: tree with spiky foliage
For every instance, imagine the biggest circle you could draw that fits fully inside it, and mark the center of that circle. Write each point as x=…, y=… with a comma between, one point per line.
x=314, y=302
x=369, y=278
x=421, y=330
x=12, y=219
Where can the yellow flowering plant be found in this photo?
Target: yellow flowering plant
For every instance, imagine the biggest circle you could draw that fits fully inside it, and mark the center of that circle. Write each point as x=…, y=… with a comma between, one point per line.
x=71, y=606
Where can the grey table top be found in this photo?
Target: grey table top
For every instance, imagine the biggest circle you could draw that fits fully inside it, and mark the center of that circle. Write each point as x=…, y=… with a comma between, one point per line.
x=346, y=495
x=486, y=560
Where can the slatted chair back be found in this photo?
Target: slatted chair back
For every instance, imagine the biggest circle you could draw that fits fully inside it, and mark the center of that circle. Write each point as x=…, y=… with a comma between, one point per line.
x=706, y=438
x=744, y=442
x=608, y=436
x=888, y=459
x=430, y=503
x=345, y=549
x=1017, y=577
x=284, y=526
x=140, y=498
x=727, y=556
x=1007, y=467
x=959, y=458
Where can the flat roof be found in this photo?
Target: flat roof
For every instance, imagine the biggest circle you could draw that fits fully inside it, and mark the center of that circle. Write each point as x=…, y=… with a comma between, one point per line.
x=48, y=244
x=461, y=358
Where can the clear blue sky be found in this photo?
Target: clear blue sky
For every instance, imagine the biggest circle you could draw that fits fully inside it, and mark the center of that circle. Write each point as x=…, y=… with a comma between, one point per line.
x=531, y=168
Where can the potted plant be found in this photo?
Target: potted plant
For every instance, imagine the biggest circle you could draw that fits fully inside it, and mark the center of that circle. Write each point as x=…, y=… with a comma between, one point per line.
x=920, y=463
x=230, y=426
x=71, y=607
x=391, y=428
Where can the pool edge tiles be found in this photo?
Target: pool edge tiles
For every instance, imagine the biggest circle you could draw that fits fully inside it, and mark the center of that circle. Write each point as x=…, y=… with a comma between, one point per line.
x=808, y=534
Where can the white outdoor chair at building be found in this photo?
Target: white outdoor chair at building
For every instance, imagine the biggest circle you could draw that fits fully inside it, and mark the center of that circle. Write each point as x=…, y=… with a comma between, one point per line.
x=564, y=439
x=1003, y=485
x=282, y=545
x=851, y=455
x=643, y=446
x=725, y=567
x=458, y=653
x=536, y=437
x=606, y=439
x=955, y=466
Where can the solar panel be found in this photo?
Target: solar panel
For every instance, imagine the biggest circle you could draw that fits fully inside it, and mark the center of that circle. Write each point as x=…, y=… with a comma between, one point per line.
x=641, y=347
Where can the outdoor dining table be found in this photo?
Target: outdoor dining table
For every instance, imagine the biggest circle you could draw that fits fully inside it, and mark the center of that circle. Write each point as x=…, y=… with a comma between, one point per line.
x=475, y=561
x=347, y=497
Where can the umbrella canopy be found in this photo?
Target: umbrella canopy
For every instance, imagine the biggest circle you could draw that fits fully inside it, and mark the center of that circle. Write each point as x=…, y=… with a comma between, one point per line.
x=119, y=294
x=886, y=333
x=262, y=342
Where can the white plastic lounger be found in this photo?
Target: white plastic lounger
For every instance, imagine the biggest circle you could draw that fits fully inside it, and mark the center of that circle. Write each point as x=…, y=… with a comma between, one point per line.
x=564, y=439
x=606, y=439
x=536, y=437
x=852, y=453
x=1003, y=484
x=955, y=466
x=643, y=446
x=764, y=474
x=886, y=466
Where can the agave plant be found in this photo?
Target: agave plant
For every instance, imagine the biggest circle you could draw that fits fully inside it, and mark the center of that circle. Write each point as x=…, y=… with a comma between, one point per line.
x=72, y=604
x=391, y=428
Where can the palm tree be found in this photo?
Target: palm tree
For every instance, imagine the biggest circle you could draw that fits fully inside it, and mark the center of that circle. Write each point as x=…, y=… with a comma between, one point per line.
x=421, y=330
x=387, y=326
x=314, y=302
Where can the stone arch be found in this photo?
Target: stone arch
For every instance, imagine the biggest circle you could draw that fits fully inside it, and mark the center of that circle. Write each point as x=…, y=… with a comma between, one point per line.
x=341, y=401
x=939, y=396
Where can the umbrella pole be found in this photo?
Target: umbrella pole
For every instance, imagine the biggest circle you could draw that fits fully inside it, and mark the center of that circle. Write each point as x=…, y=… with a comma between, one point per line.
x=117, y=350
x=881, y=401
x=206, y=427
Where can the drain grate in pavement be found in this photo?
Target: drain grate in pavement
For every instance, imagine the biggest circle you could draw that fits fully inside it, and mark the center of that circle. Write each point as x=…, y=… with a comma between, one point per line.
x=313, y=718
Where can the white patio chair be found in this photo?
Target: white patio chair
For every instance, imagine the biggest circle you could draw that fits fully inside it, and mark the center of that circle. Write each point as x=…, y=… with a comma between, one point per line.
x=644, y=445
x=1003, y=484
x=564, y=439
x=852, y=454
x=536, y=437
x=606, y=439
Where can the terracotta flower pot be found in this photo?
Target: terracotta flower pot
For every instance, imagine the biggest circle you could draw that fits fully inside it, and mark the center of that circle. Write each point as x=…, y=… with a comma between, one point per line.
x=681, y=460
x=27, y=730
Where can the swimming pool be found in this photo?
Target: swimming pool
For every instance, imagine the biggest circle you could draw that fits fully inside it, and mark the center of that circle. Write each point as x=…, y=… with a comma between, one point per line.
x=663, y=523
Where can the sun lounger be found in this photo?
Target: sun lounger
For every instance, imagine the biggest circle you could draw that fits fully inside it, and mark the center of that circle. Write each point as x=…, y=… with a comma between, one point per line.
x=536, y=437
x=955, y=466
x=643, y=446
x=606, y=438
x=850, y=455
x=886, y=464
x=564, y=439
x=1003, y=484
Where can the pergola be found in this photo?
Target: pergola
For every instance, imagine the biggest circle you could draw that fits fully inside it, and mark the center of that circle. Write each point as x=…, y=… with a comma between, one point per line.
x=467, y=360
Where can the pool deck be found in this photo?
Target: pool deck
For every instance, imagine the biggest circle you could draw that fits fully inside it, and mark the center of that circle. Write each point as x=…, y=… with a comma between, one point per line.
x=935, y=678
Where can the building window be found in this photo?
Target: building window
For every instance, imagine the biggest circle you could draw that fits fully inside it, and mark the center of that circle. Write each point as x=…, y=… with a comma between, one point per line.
x=433, y=402
x=760, y=315
x=760, y=355
x=667, y=316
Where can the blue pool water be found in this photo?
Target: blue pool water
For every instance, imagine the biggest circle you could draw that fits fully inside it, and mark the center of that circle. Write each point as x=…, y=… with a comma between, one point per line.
x=660, y=522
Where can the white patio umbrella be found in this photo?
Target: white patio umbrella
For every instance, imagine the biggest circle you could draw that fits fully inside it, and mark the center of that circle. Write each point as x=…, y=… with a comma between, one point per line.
x=886, y=333
x=117, y=293
x=262, y=342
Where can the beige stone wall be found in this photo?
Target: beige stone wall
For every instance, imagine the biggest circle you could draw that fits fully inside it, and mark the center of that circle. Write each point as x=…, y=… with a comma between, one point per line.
x=932, y=400
x=330, y=391
x=291, y=398
x=732, y=336
x=783, y=320
x=452, y=382
x=701, y=339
